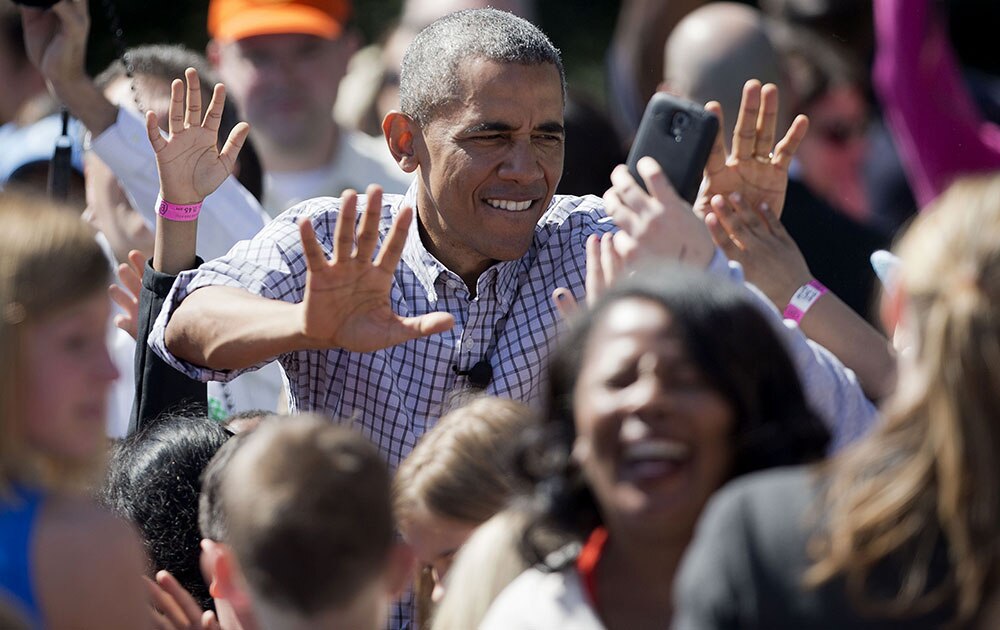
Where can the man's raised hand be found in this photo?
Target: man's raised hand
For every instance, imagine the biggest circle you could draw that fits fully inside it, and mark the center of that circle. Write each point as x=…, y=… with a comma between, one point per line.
x=756, y=168
x=346, y=303
x=189, y=161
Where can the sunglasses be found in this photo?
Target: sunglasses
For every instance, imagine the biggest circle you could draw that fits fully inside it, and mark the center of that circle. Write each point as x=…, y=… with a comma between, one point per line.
x=840, y=133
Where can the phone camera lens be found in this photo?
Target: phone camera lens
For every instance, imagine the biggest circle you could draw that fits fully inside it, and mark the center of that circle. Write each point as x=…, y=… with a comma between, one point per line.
x=680, y=122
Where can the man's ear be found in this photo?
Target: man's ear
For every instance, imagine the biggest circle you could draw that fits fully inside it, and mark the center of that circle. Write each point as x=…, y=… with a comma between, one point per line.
x=402, y=134
x=399, y=571
x=221, y=572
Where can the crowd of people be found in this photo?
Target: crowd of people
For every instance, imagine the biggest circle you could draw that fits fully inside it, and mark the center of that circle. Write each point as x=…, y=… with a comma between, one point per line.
x=394, y=340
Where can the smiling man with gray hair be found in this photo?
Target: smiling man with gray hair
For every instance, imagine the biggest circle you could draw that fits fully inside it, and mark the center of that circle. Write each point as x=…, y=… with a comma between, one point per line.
x=482, y=128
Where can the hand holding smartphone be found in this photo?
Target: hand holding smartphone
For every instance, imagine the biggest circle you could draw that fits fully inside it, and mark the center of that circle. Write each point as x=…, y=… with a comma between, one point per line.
x=678, y=134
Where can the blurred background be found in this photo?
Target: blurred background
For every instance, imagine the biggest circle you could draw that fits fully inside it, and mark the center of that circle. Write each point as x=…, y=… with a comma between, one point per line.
x=581, y=29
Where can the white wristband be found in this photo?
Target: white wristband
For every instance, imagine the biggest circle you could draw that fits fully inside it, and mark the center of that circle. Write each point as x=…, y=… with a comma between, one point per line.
x=803, y=299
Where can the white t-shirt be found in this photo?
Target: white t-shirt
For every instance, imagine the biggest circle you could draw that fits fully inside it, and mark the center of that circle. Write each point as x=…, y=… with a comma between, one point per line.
x=537, y=600
x=360, y=160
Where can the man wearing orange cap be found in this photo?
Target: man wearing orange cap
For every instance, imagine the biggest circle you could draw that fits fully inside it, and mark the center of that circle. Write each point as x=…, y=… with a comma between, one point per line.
x=282, y=62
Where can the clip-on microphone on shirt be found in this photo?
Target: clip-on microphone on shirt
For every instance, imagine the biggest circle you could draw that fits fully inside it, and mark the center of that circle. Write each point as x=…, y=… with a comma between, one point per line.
x=479, y=375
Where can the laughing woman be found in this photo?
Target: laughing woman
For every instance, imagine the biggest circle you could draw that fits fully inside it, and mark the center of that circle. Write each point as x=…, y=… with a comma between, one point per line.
x=666, y=389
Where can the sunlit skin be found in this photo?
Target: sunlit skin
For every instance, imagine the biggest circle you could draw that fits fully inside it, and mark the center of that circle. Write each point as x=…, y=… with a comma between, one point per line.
x=503, y=140
x=69, y=372
x=435, y=540
x=639, y=384
x=654, y=442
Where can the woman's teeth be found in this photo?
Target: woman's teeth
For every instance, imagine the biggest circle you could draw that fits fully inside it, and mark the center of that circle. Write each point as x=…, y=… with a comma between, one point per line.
x=662, y=450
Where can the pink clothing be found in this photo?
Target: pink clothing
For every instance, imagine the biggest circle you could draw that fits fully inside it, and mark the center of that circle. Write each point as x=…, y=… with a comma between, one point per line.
x=939, y=132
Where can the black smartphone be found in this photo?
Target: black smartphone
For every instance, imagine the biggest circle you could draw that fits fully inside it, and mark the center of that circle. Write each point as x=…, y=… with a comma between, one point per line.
x=679, y=135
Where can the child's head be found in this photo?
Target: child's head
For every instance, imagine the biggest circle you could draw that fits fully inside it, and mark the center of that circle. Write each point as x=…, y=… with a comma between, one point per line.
x=154, y=481
x=55, y=370
x=456, y=478
x=308, y=517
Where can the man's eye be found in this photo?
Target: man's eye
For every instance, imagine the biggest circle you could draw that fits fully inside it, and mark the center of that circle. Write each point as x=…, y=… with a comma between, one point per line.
x=549, y=139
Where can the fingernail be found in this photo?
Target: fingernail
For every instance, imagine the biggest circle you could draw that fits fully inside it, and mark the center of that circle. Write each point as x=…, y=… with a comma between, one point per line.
x=560, y=296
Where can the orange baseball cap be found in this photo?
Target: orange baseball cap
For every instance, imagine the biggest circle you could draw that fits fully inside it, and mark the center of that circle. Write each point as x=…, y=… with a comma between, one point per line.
x=231, y=20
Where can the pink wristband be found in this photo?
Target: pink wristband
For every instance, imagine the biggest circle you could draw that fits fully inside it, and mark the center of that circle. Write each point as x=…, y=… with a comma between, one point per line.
x=177, y=212
x=803, y=299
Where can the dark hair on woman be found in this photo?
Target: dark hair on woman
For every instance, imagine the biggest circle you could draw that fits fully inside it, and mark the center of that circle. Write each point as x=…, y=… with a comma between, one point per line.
x=154, y=480
x=741, y=357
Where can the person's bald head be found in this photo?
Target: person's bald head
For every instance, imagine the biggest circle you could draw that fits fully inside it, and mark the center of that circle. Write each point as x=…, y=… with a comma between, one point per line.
x=714, y=50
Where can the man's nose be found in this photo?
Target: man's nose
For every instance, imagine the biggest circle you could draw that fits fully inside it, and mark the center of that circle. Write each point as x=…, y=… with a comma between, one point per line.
x=521, y=163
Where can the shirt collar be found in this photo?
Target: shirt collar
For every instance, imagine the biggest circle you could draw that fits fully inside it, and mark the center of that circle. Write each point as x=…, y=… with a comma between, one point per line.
x=500, y=279
x=425, y=266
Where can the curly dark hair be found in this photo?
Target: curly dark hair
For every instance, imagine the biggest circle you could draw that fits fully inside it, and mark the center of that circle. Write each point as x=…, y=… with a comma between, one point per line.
x=154, y=481
x=734, y=346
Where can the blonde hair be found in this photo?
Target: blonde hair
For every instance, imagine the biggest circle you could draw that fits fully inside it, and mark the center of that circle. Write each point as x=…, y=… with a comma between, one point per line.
x=484, y=566
x=930, y=473
x=459, y=469
x=49, y=261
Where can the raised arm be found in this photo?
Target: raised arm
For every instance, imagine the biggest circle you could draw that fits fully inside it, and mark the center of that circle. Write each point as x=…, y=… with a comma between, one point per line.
x=346, y=300
x=660, y=224
x=56, y=41
x=773, y=263
x=657, y=225
x=939, y=131
x=756, y=167
x=345, y=304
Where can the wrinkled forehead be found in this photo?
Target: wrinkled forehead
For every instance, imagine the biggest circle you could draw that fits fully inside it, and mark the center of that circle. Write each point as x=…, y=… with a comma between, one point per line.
x=508, y=92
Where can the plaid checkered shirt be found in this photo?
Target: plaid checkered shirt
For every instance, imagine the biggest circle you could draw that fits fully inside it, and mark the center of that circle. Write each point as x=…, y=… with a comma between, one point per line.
x=394, y=395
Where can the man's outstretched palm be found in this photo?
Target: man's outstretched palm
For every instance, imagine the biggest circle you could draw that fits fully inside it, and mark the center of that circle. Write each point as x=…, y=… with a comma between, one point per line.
x=346, y=303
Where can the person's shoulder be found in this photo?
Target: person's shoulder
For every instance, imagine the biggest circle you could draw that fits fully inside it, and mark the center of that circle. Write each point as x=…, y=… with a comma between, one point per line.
x=541, y=599
x=312, y=208
x=89, y=564
x=770, y=508
x=757, y=492
x=85, y=530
